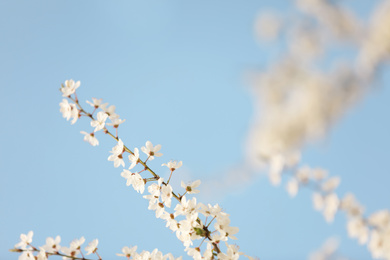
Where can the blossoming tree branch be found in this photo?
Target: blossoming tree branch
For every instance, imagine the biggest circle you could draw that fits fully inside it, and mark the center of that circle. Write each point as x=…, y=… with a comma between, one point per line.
x=203, y=229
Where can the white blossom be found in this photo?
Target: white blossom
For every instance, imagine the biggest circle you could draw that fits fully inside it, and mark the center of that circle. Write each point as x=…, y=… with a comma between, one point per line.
x=90, y=138
x=116, y=155
x=27, y=255
x=173, y=165
x=191, y=187
x=52, y=245
x=358, y=229
x=100, y=122
x=134, y=158
x=128, y=252
x=151, y=151
x=92, y=246
x=42, y=254
x=166, y=195
x=25, y=240
x=95, y=102
x=69, y=87
x=292, y=187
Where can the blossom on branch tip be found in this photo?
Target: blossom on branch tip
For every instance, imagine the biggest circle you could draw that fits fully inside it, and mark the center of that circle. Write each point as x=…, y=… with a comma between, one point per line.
x=134, y=179
x=25, y=240
x=166, y=194
x=128, y=252
x=100, y=122
x=209, y=210
x=292, y=187
x=27, y=255
x=70, y=252
x=190, y=188
x=330, y=184
x=69, y=110
x=69, y=87
x=116, y=121
x=134, y=158
x=116, y=155
x=92, y=247
x=52, y=245
x=90, y=138
x=95, y=102
x=42, y=254
x=110, y=111
x=76, y=243
x=151, y=151
x=358, y=229
x=173, y=165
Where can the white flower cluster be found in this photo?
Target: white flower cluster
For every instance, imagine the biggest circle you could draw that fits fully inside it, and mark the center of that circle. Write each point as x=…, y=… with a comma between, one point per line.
x=53, y=247
x=74, y=111
x=186, y=218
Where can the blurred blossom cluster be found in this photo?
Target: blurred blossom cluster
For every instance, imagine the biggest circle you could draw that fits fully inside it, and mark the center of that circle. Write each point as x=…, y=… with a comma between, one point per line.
x=311, y=86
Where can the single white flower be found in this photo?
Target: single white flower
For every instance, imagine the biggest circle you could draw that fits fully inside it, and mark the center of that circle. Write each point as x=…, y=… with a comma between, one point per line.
x=190, y=188
x=223, y=227
x=115, y=122
x=231, y=254
x=166, y=195
x=171, y=222
x=380, y=219
x=319, y=174
x=69, y=87
x=194, y=252
x=318, y=201
x=116, y=155
x=74, y=114
x=69, y=110
x=151, y=151
x=173, y=165
x=69, y=251
x=42, y=254
x=95, y=102
x=303, y=174
x=351, y=206
x=158, y=208
x=330, y=184
x=277, y=164
x=76, y=243
x=292, y=187
x=358, y=229
x=332, y=203
x=134, y=158
x=209, y=210
x=100, y=122
x=128, y=252
x=135, y=180
x=25, y=240
x=90, y=138
x=154, y=189
x=27, y=255
x=92, y=247
x=65, y=109
x=109, y=110
x=186, y=207
x=52, y=245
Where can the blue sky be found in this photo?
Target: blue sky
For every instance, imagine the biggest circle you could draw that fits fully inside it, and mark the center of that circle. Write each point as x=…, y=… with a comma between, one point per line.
x=175, y=71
